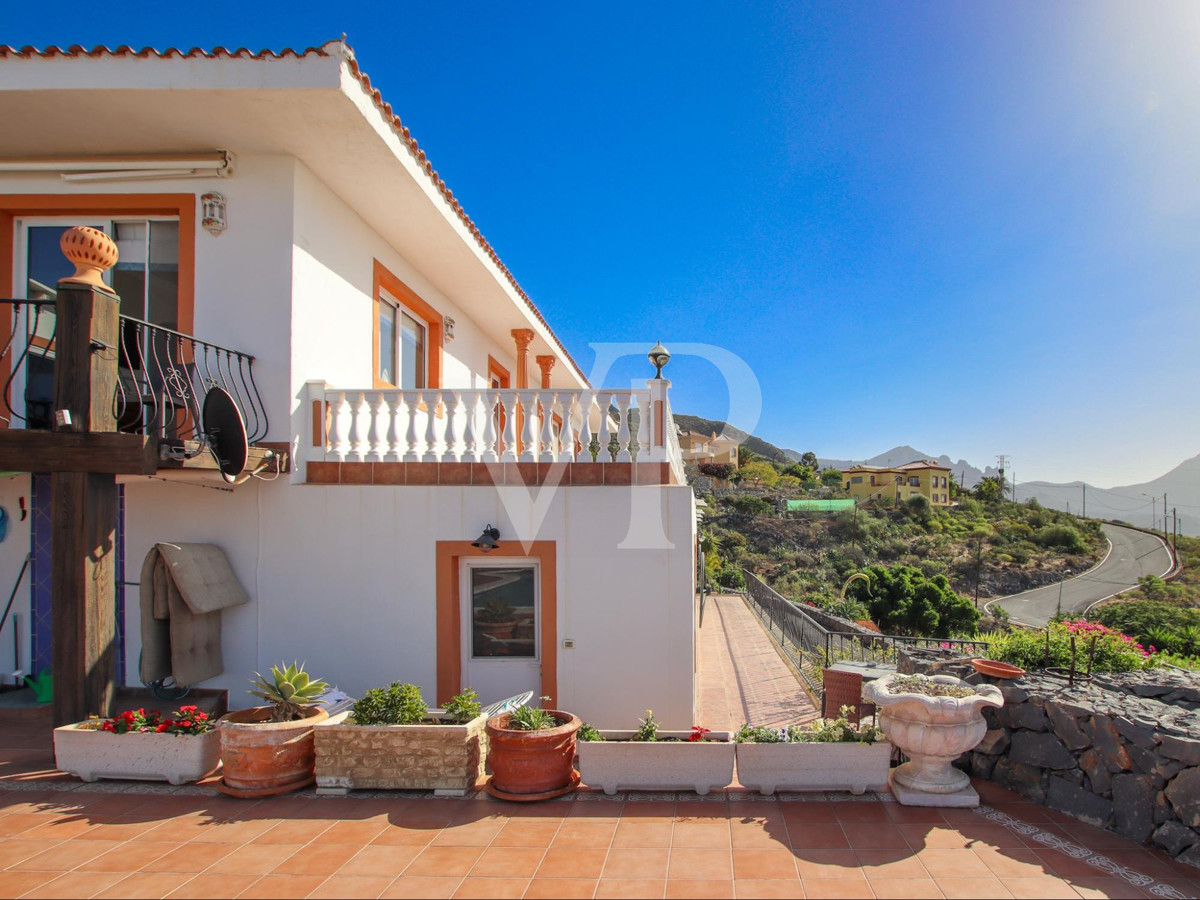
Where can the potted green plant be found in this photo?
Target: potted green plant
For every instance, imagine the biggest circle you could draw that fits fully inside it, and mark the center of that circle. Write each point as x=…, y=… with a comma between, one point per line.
x=391, y=741
x=826, y=755
x=267, y=750
x=496, y=619
x=650, y=759
x=141, y=746
x=531, y=753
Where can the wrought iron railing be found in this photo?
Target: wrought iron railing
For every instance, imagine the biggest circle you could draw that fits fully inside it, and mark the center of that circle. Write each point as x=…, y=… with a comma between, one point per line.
x=162, y=377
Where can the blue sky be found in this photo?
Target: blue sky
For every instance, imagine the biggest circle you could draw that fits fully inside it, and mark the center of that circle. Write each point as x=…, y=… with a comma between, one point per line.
x=969, y=227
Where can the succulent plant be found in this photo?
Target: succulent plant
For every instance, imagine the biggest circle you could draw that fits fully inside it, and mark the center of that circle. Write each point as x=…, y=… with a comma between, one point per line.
x=289, y=690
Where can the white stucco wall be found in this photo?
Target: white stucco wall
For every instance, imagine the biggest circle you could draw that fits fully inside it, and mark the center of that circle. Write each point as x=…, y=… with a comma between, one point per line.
x=344, y=579
x=13, y=549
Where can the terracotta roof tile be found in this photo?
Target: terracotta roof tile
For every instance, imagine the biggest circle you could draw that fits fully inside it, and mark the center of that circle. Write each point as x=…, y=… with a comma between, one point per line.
x=76, y=50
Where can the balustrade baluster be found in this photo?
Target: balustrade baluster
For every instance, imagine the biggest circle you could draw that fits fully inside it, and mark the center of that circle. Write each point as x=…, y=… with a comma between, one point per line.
x=337, y=435
x=511, y=408
x=411, y=404
x=623, y=428
x=547, y=453
x=374, y=402
x=604, y=436
x=392, y=447
x=491, y=408
x=354, y=437
x=452, y=451
x=432, y=399
x=529, y=435
x=585, y=426
x=566, y=436
x=470, y=407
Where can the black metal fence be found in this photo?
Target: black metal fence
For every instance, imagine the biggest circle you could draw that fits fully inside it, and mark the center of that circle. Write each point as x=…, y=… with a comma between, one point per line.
x=162, y=377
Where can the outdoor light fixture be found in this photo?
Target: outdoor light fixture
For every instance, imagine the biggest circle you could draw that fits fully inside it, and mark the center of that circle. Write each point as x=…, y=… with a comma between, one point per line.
x=658, y=357
x=488, y=541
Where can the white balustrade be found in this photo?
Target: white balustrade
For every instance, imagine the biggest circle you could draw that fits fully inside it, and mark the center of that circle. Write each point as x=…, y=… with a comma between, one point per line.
x=488, y=425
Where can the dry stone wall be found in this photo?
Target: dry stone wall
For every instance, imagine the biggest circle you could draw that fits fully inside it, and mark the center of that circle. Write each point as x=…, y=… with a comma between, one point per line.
x=1120, y=752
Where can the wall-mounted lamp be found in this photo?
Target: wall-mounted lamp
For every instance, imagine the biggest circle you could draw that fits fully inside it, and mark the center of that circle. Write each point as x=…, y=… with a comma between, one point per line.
x=658, y=357
x=488, y=541
x=447, y=329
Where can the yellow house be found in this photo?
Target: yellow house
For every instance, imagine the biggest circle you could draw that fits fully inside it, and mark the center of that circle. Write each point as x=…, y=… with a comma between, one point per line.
x=698, y=447
x=924, y=477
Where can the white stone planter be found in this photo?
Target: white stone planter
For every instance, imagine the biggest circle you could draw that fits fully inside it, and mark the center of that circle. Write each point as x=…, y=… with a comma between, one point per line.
x=92, y=754
x=617, y=763
x=932, y=732
x=856, y=768
x=446, y=758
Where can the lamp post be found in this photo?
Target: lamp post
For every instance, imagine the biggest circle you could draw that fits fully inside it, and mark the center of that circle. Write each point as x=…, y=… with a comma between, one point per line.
x=1063, y=578
x=658, y=357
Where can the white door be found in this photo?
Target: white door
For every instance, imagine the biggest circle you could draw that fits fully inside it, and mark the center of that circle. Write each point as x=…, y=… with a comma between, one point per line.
x=501, y=633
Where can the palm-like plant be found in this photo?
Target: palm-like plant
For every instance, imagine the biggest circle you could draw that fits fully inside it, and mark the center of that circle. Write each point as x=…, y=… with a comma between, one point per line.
x=289, y=690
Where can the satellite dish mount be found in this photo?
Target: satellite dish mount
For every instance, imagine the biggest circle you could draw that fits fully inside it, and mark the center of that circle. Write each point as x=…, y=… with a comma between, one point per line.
x=225, y=432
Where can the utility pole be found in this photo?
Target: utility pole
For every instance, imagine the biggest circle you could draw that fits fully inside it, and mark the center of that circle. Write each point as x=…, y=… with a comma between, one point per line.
x=1174, y=530
x=1084, y=486
x=1014, y=484
x=1164, y=514
x=1001, y=461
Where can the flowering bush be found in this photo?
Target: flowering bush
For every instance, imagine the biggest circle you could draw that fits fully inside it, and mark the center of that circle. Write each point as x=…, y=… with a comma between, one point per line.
x=698, y=733
x=185, y=720
x=823, y=731
x=1115, y=652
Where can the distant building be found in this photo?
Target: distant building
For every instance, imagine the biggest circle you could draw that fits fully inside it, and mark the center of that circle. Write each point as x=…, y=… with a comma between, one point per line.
x=924, y=477
x=698, y=447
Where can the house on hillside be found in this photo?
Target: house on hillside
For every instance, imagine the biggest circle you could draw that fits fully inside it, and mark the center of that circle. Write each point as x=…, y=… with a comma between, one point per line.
x=284, y=244
x=698, y=447
x=923, y=477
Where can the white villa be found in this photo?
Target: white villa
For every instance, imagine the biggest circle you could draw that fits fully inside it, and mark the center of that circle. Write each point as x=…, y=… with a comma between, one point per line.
x=401, y=394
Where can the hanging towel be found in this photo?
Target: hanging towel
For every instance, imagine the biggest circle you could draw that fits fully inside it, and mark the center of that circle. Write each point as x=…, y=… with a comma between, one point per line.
x=184, y=588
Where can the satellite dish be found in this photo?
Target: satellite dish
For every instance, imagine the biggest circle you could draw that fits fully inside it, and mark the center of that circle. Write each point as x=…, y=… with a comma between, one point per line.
x=226, y=433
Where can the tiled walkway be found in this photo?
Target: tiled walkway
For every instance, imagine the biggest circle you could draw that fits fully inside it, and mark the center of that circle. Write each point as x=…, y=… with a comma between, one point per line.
x=742, y=678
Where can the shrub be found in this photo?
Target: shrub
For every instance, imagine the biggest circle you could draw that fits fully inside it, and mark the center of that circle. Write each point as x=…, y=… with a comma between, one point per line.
x=1149, y=621
x=464, y=707
x=396, y=704
x=732, y=578
x=901, y=600
x=1064, y=537
x=720, y=471
x=751, y=506
x=1115, y=652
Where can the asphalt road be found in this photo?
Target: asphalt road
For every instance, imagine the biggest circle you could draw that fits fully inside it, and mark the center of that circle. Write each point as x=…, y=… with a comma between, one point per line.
x=1133, y=555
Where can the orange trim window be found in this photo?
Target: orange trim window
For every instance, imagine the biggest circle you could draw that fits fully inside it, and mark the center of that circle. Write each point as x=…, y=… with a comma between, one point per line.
x=92, y=206
x=498, y=376
x=406, y=335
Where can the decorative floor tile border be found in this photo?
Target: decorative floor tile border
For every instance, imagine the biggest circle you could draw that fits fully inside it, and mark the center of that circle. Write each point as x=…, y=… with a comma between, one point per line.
x=1099, y=861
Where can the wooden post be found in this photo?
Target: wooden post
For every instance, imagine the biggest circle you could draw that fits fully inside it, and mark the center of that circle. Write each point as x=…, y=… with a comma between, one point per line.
x=83, y=512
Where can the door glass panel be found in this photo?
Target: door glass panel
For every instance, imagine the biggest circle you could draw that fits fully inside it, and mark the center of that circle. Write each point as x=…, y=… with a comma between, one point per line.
x=387, y=342
x=162, y=294
x=412, y=352
x=503, y=613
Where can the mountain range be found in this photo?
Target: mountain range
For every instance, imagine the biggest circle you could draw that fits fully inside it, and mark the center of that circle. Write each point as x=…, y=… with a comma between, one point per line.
x=1128, y=503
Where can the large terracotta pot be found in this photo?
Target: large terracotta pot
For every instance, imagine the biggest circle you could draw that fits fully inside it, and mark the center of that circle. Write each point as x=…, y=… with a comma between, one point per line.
x=261, y=758
x=532, y=765
x=931, y=731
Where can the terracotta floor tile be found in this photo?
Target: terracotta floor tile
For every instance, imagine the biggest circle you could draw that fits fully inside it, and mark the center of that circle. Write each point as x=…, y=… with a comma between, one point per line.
x=640, y=864
x=700, y=835
x=953, y=863
x=379, y=860
x=874, y=836
x=60, y=829
x=763, y=864
x=1014, y=863
x=14, y=824
x=75, y=884
x=902, y=888
x=357, y=833
x=508, y=862
x=144, y=884
x=662, y=810
x=471, y=834
x=702, y=889
x=407, y=836
x=66, y=856
x=130, y=857
x=890, y=864
x=233, y=832
x=184, y=828
x=818, y=836
x=445, y=861
x=861, y=813
x=572, y=863
x=190, y=858
x=317, y=859
x=767, y=888
x=253, y=859
x=284, y=887
x=837, y=888
x=295, y=832
x=1148, y=862
x=552, y=888
x=808, y=812
x=492, y=887
x=934, y=837
x=1114, y=888
x=1039, y=888
x=765, y=834
x=352, y=887
x=590, y=835
x=634, y=888
x=914, y=815
x=637, y=834
x=984, y=888
x=517, y=833
x=14, y=884
x=700, y=864
x=420, y=886
x=825, y=863
x=17, y=850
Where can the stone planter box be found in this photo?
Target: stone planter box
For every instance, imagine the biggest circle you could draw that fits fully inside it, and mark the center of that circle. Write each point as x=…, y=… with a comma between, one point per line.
x=617, y=763
x=445, y=758
x=91, y=754
x=856, y=768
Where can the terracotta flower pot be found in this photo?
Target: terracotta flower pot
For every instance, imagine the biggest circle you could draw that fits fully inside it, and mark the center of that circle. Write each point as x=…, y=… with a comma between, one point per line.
x=499, y=631
x=996, y=669
x=261, y=758
x=532, y=765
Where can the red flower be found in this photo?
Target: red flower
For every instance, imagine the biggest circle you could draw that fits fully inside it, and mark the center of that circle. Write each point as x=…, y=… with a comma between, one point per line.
x=698, y=733
x=163, y=726
x=201, y=717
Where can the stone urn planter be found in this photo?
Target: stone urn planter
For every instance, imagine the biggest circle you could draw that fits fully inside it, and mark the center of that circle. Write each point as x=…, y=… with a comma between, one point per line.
x=856, y=768
x=261, y=758
x=439, y=756
x=532, y=765
x=933, y=720
x=83, y=750
x=671, y=763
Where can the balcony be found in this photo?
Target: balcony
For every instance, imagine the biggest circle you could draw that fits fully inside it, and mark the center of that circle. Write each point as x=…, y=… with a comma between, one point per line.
x=492, y=436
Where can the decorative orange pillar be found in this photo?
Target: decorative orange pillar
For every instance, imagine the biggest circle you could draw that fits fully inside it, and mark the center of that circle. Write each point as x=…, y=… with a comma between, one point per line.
x=545, y=363
x=523, y=337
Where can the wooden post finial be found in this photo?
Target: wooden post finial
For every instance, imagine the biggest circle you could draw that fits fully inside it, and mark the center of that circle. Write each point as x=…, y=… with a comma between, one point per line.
x=91, y=251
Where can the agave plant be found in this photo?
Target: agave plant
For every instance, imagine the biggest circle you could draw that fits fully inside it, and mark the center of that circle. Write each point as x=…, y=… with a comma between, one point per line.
x=289, y=690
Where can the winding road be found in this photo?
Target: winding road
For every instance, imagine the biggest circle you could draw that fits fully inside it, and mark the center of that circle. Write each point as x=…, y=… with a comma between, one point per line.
x=1132, y=554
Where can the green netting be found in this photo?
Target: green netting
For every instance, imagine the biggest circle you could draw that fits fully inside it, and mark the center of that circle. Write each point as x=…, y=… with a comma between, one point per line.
x=819, y=505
